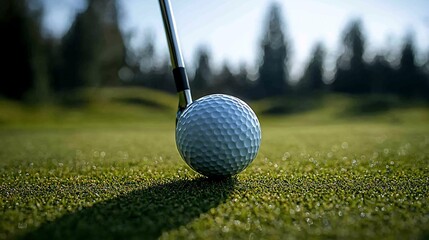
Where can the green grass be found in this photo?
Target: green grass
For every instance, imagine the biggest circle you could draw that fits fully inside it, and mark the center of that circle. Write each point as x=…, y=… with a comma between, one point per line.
x=111, y=170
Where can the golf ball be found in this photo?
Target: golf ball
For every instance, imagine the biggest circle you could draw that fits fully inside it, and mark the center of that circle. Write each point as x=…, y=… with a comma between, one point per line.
x=218, y=135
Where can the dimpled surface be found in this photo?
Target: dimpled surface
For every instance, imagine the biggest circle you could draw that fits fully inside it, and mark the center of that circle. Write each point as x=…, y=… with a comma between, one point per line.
x=218, y=135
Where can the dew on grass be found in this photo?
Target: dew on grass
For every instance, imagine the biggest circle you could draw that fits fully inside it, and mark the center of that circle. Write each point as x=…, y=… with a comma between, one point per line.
x=316, y=163
x=335, y=148
x=386, y=151
x=344, y=145
x=317, y=154
x=326, y=222
x=286, y=156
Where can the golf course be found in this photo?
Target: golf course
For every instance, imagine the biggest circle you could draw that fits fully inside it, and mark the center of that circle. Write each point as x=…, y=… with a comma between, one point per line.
x=344, y=168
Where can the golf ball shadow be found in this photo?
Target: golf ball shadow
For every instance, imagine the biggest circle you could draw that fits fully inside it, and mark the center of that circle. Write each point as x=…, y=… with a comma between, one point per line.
x=218, y=135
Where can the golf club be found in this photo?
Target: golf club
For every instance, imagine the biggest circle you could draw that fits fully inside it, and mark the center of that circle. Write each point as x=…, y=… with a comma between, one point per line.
x=179, y=71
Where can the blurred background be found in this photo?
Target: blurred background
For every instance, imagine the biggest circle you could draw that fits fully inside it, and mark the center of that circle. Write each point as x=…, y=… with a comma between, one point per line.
x=292, y=53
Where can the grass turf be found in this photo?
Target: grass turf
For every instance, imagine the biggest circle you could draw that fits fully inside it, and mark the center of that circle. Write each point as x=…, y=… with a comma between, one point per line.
x=96, y=177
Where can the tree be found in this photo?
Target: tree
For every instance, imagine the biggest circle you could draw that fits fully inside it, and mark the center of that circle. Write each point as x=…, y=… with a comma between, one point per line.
x=147, y=55
x=142, y=62
x=23, y=67
x=40, y=48
x=273, y=71
x=382, y=75
x=113, y=52
x=203, y=73
x=146, y=70
x=426, y=75
x=410, y=81
x=81, y=50
x=243, y=86
x=93, y=49
x=161, y=78
x=352, y=74
x=312, y=79
x=225, y=81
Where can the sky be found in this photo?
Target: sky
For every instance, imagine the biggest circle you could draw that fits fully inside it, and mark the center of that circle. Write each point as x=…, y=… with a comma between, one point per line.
x=232, y=30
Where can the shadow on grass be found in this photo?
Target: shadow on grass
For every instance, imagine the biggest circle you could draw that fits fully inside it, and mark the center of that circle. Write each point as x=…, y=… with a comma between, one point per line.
x=140, y=214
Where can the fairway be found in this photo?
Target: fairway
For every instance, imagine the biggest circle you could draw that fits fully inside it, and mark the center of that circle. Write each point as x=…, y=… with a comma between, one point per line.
x=114, y=172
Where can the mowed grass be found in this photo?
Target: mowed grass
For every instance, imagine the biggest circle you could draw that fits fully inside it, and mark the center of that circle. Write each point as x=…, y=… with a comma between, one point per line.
x=111, y=170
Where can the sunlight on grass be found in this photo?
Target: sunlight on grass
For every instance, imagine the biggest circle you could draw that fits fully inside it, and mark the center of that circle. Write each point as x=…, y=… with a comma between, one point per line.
x=116, y=173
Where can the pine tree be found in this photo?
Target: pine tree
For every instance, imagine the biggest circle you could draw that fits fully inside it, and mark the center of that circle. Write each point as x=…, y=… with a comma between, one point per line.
x=426, y=77
x=23, y=68
x=273, y=71
x=410, y=81
x=352, y=74
x=203, y=73
x=81, y=51
x=242, y=83
x=93, y=49
x=312, y=79
x=113, y=52
x=381, y=75
x=147, y=55
x=225, y=81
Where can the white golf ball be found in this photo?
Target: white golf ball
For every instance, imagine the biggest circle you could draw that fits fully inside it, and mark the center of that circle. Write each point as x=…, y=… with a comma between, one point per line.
x=218, y=135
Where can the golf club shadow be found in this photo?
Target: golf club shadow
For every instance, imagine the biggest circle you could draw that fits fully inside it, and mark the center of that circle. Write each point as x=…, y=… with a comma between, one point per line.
x=140, y=214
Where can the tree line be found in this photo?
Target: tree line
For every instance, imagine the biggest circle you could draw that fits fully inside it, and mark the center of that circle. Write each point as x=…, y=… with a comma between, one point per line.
x=37, y=67
x=94, y=53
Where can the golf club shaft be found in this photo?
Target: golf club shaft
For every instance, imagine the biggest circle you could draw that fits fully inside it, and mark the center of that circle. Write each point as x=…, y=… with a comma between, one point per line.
x=179, y=71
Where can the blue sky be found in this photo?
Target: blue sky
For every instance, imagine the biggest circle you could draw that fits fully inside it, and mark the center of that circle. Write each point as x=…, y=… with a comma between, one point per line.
x=233, y=29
